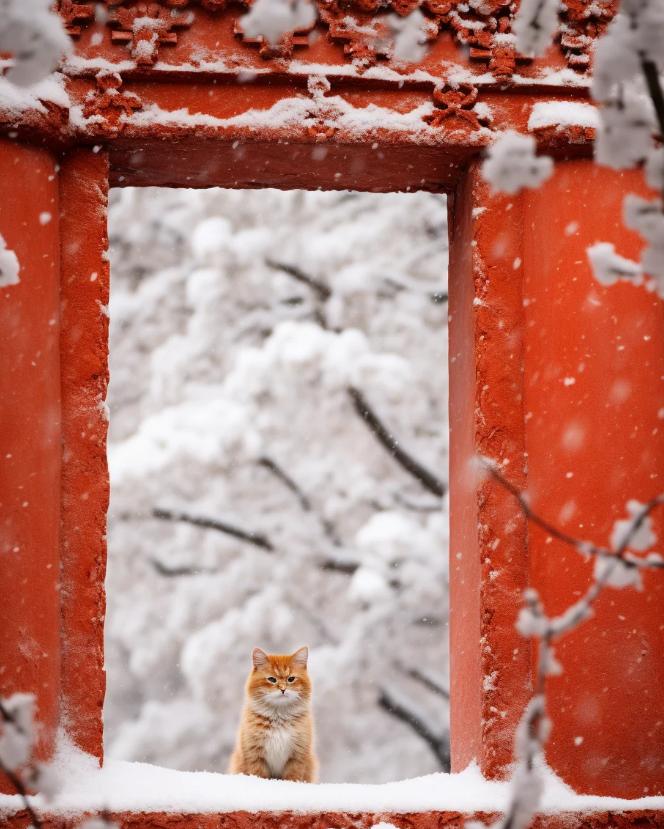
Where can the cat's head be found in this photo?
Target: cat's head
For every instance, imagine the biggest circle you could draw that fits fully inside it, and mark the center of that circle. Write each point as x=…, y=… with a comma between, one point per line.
x=279, y=681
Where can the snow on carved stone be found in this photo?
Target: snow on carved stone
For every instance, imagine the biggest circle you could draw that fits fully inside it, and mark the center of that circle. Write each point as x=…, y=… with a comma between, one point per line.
x=9, y=266
x=511, y=163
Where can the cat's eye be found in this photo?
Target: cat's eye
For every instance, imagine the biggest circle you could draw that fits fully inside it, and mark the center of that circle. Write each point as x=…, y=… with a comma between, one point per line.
x=291, y=679
x=272, y=679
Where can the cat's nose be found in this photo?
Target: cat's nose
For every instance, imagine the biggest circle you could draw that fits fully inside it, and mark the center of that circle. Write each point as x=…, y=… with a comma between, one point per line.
x=283, y=690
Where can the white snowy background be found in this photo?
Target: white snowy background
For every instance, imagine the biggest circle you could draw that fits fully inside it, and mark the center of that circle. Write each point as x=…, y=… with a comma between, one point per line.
x=229, y=401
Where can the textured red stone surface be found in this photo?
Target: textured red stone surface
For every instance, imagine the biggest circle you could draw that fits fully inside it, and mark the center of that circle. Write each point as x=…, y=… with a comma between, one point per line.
x=637, y=819
x=549, y=367
x=85, y=488
x=489, y=661
x=520, y=300
x=30, y=434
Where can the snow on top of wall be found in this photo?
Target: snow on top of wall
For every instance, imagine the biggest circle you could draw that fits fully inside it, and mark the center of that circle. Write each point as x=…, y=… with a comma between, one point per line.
x=563, y=114
x=204, y=62
x=121, y=786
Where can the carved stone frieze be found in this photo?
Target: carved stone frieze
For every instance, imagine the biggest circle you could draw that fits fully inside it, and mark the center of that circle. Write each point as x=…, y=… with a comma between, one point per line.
x=75, y=15
x=482, y=27
x=109, y=102
x=144, y=27
x=582, y=23
x=455, y=107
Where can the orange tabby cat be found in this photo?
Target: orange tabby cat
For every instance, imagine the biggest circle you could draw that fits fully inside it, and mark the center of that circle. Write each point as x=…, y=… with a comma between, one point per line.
x=276, y=730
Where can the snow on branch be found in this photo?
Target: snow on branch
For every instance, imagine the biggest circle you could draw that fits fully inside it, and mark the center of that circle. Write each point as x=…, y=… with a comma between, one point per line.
x=9, y=266
x=535, y=24
x=410, y=35
x=511, y=163
x=386, y=439
x=615, y=567
x=36, y=38
x=272, y=19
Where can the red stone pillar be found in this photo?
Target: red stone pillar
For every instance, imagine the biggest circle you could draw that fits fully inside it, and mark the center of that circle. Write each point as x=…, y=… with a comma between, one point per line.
x=85, y=487
x=550, y=367
x=490, y=662
x=30, y=435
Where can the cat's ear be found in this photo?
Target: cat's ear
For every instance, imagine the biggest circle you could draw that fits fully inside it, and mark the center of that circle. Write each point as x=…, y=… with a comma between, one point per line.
x=259, y=658
x=300, y=657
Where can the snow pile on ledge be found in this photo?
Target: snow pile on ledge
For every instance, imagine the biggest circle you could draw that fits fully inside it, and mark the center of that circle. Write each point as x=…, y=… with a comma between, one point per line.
x=121, y=786
x=563, y=114
x=332, y=111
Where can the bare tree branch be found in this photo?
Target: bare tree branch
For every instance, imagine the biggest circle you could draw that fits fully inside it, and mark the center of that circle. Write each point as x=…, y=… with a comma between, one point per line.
x=303, y=499
x=338, y=565
x=334, y=565
x=438, y=743
x=651, y=75
x=183, y=570
x=586, y=547
x=424, y=679
x=387, y=440
x=257, y=539
x=532, y=730
x=320, y=288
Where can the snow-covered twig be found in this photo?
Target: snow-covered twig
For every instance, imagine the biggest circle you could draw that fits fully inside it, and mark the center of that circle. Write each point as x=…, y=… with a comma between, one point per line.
x=614, y=567
x=587, y=548
x=383, y=435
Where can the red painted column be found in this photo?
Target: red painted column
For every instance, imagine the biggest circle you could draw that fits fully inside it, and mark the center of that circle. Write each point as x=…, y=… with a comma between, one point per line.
x=30, y=435
x=490, y=662
x=560, y=379
x=594, y=413
x=85, y=487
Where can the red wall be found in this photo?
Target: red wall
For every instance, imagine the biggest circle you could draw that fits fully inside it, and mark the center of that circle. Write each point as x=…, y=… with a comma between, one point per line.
x=30, y=433
x=594, y=413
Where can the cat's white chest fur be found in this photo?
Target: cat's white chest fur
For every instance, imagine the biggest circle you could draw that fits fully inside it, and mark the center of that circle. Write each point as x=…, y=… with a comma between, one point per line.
x=278, y=748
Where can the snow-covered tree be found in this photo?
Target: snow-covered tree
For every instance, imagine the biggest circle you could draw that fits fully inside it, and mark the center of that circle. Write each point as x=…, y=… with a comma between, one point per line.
x=278, y=441
x=33, y=34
